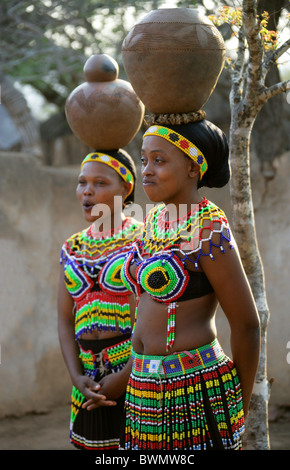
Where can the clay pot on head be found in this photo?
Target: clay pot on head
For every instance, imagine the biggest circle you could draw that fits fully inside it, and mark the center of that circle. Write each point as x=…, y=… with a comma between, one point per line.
x=104, y=112
x=173, y=58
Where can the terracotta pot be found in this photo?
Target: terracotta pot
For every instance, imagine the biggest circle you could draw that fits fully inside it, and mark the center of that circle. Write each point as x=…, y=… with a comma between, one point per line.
x=173, y=58
x=104, y=112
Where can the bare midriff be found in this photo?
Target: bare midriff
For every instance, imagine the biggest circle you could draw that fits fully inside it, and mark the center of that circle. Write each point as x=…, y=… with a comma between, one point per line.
x=100, y=334
x=194, y=325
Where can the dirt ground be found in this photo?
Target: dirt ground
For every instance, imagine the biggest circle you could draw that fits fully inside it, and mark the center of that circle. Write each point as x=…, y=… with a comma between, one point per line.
x=50, y=431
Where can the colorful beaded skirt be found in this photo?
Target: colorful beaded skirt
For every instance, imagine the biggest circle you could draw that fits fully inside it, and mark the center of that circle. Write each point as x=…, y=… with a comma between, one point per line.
x=186, y=401
x=99, y=429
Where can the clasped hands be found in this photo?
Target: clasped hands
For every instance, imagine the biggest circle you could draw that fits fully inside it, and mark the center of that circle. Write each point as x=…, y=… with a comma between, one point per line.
x=97, y=394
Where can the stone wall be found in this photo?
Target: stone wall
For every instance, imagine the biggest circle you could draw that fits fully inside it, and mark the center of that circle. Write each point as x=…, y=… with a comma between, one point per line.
x=38, y=211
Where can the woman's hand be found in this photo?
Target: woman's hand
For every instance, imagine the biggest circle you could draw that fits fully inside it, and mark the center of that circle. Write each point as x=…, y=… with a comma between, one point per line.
x=109, y=389
x=98, y=393
x=91, y=391
x=113, y=385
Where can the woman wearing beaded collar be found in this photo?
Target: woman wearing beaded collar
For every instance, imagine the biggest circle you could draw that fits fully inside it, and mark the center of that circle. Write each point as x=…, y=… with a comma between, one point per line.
x=96, y=338
x=184, y=392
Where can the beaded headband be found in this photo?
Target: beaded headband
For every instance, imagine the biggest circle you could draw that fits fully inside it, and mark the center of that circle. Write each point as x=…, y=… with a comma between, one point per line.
x=112, y=162
x=182, y=143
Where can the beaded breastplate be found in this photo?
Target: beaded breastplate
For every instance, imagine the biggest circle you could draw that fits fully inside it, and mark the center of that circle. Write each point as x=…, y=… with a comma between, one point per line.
x=92, y=268
x=166, y=252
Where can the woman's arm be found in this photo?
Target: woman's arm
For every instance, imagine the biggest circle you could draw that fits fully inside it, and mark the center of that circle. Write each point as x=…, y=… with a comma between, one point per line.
x=70, y=349
x=227, y=277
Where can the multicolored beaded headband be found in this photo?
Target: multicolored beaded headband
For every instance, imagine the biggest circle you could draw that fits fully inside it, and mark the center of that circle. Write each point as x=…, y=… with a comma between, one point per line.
x=112, y=162
x=182, y=143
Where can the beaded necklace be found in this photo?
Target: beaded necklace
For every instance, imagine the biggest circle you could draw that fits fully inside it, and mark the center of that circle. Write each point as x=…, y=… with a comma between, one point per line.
x=189, y=234
x=92, y=268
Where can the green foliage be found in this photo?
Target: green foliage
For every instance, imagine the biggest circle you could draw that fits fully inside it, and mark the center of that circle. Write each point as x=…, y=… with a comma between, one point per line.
x=234, y=18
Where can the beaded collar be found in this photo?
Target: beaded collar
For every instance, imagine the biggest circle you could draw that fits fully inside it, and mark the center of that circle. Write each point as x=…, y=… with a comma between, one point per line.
x=90, y=244
x=187, y=234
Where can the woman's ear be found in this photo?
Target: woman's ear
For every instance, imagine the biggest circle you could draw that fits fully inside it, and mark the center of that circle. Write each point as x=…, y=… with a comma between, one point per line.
x=126, y=188
x=194, y=169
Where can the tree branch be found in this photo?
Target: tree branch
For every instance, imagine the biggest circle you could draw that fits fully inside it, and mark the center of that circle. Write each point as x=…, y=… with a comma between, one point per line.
x=237, y=71
x=274, y=56
x=274, y=90
x=256, y=52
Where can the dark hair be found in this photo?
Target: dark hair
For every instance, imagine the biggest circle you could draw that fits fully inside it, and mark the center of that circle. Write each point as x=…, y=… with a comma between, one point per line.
x=213, y=144
x=123, y=157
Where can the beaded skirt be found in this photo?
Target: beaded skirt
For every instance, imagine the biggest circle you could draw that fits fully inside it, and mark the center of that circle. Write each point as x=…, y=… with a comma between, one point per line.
x=99, y=429
x=186, y=401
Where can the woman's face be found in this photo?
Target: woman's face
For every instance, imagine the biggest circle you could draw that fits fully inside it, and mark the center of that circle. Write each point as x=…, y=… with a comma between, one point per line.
x=99, y=184
x=167, y=173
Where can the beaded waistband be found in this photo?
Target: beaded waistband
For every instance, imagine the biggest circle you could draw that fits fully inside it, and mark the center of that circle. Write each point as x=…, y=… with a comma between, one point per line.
x=178, y=363
x=110, y=359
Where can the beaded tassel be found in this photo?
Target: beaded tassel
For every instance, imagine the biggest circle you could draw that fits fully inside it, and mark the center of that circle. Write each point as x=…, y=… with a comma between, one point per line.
x=170, y=326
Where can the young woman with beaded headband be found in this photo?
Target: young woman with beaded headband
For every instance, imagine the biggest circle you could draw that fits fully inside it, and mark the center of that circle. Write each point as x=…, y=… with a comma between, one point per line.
x=95, y=310
x=184, y=392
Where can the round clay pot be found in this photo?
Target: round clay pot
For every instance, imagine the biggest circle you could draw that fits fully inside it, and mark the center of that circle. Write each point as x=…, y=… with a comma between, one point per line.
x=101, y=68
x=104, y=112
x=173, y=58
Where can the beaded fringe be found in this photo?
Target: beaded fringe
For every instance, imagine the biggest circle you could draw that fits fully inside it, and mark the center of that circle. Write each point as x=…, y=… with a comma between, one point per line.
x=83, y=443
x=104, y=312
x=171, y=414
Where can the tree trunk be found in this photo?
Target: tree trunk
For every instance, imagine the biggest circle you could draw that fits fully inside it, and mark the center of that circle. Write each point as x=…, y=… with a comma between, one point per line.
x=248, y=95
x=256, y=436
